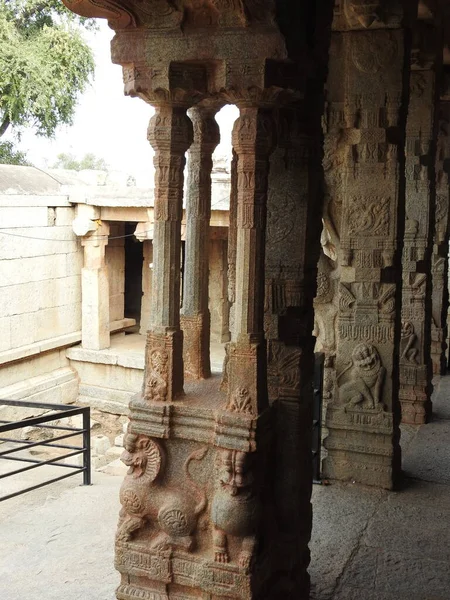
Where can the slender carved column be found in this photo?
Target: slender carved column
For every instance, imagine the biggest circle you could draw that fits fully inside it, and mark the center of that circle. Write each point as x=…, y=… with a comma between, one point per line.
x=439, y=258
x=366, y=116
x=170, y=134
x=232, y=240
x=95, y=291
x=253, y=142
x=195, y=319
x=415, y=359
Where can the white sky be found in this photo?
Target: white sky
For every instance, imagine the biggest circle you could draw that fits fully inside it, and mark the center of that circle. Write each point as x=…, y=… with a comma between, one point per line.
x=109, y=124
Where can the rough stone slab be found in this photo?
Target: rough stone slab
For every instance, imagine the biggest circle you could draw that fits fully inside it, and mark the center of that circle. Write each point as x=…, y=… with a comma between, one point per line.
x=340, y=515
x=114, y=452
x=403, y=523
x=384, y=573
x=132, y=361
x=428, y=456
x=109, y=406
x=91, y=356
x=116, y=467
x=441, y=396
x=60, y=341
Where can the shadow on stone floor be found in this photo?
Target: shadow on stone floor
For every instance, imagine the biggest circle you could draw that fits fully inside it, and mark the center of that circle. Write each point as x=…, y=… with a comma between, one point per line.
x=375, y=545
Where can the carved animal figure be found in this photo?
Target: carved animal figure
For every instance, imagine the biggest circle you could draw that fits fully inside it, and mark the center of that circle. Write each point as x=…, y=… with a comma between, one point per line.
x=174, y=510
x=366, y=378
x=234, y=509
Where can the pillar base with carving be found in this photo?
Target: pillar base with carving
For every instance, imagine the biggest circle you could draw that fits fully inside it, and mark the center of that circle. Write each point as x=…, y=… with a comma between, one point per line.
x=196, y=346
x=163, y=366
x=360, y=446
x=414, y=394
x=184, y=533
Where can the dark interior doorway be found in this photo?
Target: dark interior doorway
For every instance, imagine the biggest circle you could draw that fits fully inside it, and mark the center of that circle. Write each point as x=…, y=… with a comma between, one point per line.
x=134, y=258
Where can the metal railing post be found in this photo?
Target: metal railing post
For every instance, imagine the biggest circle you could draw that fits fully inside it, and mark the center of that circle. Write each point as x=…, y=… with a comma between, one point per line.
x=87, y=477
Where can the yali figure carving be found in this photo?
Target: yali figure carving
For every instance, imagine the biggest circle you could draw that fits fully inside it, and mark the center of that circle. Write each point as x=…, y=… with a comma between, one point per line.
x=174, y=510
x=234, y=509
x=365, y=377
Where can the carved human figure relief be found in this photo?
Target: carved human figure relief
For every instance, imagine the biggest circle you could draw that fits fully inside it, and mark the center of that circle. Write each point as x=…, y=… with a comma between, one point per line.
x=361, y=383
x=234, y=508
x=174, y=511
x=408, y=351
x=156, y=383
x=241, y=402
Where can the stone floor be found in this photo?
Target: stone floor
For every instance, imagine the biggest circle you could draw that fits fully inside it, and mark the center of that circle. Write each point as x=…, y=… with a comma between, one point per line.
x=57, y=542
x=377, y=545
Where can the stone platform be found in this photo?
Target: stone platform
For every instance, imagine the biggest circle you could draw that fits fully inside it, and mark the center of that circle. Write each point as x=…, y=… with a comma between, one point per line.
x=109, y=378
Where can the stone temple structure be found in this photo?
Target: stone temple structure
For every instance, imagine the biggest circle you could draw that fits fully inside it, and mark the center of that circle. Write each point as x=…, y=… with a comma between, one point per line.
x=343, y=123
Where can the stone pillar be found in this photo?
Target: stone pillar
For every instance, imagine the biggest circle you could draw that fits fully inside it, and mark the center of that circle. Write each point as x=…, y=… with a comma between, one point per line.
x=253, y=142
x=195, y=319
x=95, y=291
x=439, y=258
x=293, y=233
x=367, y=90
x=170, y=134
x=232, y=241
x=144, y=233
x=415, y=359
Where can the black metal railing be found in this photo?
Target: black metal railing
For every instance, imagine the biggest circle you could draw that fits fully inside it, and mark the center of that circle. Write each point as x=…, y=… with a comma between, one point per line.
x=317, y=416
x=58, y=412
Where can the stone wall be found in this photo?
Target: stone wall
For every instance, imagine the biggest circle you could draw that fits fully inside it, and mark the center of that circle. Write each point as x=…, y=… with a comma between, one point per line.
x=40, y=288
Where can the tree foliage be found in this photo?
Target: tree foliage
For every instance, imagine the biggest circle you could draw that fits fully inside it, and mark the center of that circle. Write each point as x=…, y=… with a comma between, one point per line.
x=88, y=161
x=10, y=156
x=44, y=65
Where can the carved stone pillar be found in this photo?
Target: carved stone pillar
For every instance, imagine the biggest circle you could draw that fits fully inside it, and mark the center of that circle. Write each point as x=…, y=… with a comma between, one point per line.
x=291, y=259
x=439, y=258
x=95, y=291
x=195, y=319
x=415, y=359
x=366, y=121
x=170, y=134
x=253, y=142
x=232, y=240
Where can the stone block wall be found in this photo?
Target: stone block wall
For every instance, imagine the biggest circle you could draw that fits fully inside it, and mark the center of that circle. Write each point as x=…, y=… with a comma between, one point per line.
x=40, y=285
x=40, y=297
